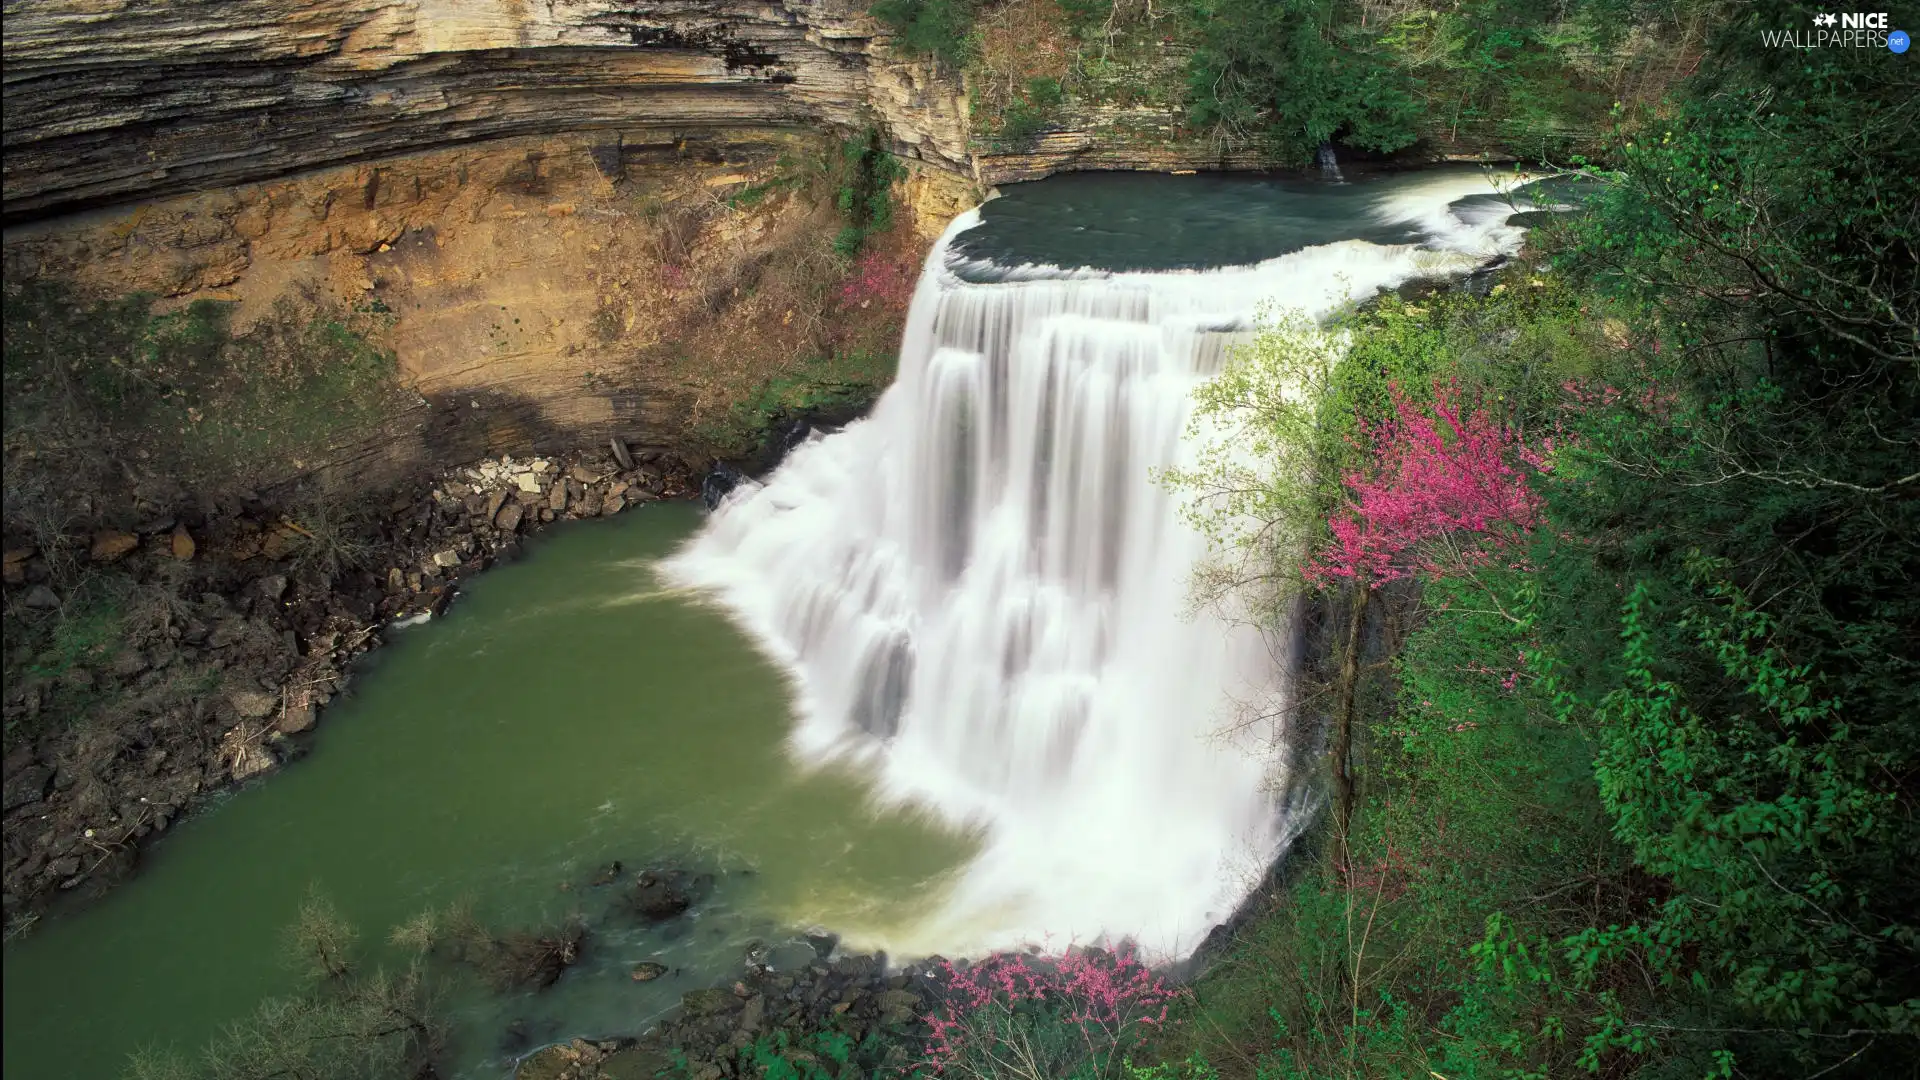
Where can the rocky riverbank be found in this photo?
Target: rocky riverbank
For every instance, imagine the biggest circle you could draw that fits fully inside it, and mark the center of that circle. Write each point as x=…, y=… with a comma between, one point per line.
x=812, y=1012
x=202, y=646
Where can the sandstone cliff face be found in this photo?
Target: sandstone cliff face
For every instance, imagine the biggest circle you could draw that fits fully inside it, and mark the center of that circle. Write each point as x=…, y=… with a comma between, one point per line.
x=110, y=101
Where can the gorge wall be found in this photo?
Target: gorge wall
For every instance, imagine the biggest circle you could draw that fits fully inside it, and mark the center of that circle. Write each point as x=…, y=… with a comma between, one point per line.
x=111, y=102
x=549, y=199
x=558, y=203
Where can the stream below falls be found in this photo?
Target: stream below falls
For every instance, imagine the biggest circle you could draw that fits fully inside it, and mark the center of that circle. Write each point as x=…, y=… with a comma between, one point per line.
x=935, y=685
x=566, y=713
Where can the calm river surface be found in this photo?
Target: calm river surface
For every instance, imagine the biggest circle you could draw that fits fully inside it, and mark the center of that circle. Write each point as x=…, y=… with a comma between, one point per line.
x=567, y=712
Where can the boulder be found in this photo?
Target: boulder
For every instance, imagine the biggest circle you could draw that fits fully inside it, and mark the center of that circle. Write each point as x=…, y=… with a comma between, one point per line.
x=718, y=483
x=296, y=721
x=250, y=760
x=253, y=704
x=658, y=899
x=182, y=544
x=28, y=785
x=111, y=546
x=709, y=1001
x=824, y=941
x=897, y=1006
x=620, y=453
x=15, y=563
x=527, y=482
x=557, y=496
x=649, y=971
x=128, y=663
x=446, y=559
x=41, y=598
x=509, y=517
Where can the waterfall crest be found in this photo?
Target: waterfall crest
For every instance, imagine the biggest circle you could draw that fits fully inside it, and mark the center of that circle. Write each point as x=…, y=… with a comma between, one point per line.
x=982, y=595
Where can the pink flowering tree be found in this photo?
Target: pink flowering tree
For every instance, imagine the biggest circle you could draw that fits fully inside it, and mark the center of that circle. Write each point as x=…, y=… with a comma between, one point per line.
x=1441, y=494
x=878, y=279
x=1013, y=1017
x=1443, y=491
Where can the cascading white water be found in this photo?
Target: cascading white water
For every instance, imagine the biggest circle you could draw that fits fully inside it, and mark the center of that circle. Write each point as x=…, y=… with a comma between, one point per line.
x=982, y=593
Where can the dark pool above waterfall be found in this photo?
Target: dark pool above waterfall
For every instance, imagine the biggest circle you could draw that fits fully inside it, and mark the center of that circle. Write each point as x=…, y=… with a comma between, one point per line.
x=1154, y=221
x=566, y=713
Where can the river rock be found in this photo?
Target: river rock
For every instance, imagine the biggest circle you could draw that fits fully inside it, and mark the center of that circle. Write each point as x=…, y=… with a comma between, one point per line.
x=252, y=704
x=897, y=1006
x=447, y=559
x=722, y=480
x=508, y=520
x=296, y=721
x=181, y=544
x=649, y=971
x=111, y=546
x=15, y=563
x=41, y=598
x=28, y=785
x=250, y=760
x=659, y=899
x=557, y=496
x=709, y=1001
x=527, y=482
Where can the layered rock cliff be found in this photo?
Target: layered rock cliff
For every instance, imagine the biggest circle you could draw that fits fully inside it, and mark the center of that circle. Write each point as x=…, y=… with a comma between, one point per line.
x=110, y=101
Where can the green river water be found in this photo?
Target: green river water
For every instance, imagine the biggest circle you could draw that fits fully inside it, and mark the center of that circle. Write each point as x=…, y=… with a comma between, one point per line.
x=566, y=712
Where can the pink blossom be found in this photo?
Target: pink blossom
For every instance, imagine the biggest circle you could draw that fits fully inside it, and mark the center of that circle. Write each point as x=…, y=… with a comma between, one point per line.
x=1108, y=995
x=877, y=279
x=1450, y=476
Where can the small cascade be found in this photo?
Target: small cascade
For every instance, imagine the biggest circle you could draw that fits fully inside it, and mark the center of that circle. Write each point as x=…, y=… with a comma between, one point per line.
x=1330, y=165
x=982, y=594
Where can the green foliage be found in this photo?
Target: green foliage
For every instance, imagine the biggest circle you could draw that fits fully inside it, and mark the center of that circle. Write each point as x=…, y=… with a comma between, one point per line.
x=1028, y=114
x=89, y=383
x=819, y=1055
x=840, y=382
x=936, y=28
x=1293, y=72
x=1646, y=803
x=864, y=196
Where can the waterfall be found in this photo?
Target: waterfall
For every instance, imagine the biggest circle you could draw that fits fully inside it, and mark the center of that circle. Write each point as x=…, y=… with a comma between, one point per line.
x=1330, y=165
x=982, y=594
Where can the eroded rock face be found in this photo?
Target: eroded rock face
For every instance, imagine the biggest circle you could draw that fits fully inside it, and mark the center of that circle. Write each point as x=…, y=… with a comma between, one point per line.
x=110, y=103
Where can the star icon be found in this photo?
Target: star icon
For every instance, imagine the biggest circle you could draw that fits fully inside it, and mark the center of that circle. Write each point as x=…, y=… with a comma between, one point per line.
x=1825, y=20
